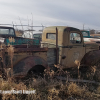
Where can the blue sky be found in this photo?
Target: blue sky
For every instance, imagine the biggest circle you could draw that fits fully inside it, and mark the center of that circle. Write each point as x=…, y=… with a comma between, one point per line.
x=73, y=13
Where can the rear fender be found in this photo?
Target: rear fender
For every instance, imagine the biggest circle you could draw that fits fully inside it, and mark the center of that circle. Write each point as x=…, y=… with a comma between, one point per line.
x=22, y=67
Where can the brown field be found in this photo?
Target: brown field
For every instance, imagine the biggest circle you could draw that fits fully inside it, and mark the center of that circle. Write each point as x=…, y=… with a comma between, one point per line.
x=49, y=88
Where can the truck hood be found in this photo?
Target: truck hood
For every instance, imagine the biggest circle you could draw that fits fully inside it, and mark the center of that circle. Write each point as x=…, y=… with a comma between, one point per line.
x=91, y=39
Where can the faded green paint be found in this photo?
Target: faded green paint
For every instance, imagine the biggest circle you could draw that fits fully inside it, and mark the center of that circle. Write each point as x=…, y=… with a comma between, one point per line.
x=19, y=41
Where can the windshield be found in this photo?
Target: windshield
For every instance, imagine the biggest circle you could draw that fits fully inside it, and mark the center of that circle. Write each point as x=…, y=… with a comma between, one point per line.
x=37, y=35
x=5, y=31
x=85, y=33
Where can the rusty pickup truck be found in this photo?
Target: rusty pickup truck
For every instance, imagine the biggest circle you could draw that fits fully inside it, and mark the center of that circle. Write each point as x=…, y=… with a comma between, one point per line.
x=60, y=45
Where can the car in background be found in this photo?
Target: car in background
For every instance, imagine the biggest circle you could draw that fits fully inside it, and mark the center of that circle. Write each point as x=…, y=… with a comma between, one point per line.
x=37, y=35
x=88, y=38
x=86, y=34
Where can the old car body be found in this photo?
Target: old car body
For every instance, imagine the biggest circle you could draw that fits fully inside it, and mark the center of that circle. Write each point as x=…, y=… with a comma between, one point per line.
x=88, y=38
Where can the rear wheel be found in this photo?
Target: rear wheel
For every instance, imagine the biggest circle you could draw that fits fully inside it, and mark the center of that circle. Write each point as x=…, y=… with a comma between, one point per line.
x=35, y=72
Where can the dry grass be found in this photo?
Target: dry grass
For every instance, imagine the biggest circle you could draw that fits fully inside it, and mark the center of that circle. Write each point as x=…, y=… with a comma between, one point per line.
x=10, y=51
x=49, y=90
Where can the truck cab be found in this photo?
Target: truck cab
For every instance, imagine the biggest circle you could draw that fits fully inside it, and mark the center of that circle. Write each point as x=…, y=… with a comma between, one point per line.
x=70, y=43
x=6, y=32
x=8, y=36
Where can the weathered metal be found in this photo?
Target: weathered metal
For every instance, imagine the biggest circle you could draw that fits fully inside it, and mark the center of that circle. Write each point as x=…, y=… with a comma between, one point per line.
x=8, y=36
x=26, y=46
x=91, y=58
x=43, y=57
x=63, y=45
x=22, y=67
x=71, y=47
x=57, y=56
x=29, y=49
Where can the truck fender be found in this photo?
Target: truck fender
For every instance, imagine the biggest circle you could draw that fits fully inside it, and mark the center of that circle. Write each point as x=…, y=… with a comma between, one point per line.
x=91, y=58
x=28, y=63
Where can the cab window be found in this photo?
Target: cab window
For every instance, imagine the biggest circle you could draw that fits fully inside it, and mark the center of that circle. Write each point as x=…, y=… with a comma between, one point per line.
x=5, y=31
x=75, y=38
x=51, y=36
x=85, y=33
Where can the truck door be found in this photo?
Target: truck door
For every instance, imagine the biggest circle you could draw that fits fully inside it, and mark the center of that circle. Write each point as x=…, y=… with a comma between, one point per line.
x=74, y=49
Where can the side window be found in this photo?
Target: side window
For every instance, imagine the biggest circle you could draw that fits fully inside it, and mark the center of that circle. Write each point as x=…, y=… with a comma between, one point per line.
x=51, y=36
x=75, y=38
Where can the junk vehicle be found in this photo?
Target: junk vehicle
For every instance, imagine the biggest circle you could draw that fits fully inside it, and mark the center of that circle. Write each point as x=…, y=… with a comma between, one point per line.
x=8, y=36
x=37, y=36
x=60, y=45
x=88, y=38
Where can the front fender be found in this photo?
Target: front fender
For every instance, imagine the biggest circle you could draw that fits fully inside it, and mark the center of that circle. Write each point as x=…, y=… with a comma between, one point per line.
x=91, y=58
x=22, y=67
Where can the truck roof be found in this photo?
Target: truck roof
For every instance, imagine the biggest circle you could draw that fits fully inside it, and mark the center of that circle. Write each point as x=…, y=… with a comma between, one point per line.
x=61, y=34
x=6, y=27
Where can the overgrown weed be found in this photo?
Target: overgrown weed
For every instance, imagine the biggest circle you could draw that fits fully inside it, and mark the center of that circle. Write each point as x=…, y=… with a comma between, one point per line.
x=51, y=89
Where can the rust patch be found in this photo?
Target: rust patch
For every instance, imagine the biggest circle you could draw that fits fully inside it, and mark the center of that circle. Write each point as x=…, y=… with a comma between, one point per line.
x=26, y=46
x=26, y=64
x=29, y=49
